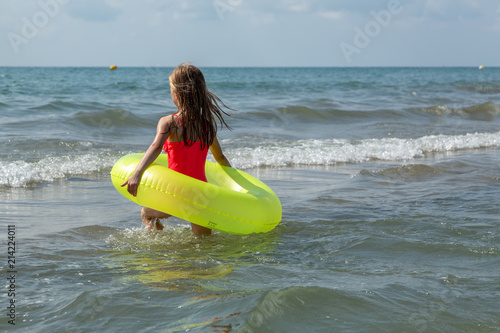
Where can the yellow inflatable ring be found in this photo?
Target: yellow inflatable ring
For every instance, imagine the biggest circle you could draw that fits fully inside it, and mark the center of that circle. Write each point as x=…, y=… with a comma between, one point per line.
x=231, y=201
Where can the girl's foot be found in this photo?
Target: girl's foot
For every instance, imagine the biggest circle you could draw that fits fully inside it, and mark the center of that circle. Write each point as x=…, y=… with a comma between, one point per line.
x=153, y=224
x=150, y=218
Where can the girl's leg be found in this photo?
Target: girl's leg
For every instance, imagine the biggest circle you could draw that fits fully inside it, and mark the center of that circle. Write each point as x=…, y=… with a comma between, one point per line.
x=150, y=218
x=198, y=230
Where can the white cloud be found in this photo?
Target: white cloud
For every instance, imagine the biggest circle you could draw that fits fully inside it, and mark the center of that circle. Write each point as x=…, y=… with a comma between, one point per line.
x=297, y=6
x=436, y=6
x=455, y=10
x=332, y=15
x=259, y=32
x=92, y=10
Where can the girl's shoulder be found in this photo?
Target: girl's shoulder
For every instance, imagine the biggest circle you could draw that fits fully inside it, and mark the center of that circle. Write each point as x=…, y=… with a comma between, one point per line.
x=166, y=123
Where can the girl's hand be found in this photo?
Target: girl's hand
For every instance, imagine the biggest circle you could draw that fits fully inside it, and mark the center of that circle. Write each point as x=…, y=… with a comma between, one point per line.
x=132, y=185
x=154, y=150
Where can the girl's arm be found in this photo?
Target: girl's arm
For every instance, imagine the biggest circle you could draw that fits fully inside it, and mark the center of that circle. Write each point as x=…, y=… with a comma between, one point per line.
x=218, y=154
x=154, y=150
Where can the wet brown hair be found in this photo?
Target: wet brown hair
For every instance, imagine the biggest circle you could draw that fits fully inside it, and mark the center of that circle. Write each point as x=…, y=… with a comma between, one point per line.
x=201, y=108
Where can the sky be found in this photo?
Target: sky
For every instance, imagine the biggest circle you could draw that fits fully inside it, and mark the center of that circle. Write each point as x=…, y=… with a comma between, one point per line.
x=253, y=33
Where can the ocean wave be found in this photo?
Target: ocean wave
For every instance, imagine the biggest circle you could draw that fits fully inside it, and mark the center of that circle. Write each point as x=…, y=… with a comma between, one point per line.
x=277, y=310
x=485, y=112
x=406, y=172
x=109, y=118
x=24, y=173
x=124, y=86
x=269, y=153
x=59, y=105
x=481, y=88
x=294, y=113
x=356, y=85
x=17, y=148
x=278, y=153
x=100, y=119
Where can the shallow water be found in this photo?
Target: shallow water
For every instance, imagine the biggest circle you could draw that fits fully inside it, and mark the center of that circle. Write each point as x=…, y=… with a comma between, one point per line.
x=389, y=181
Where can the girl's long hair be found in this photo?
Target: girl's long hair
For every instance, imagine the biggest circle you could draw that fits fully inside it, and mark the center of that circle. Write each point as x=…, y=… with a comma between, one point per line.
x=200, y=107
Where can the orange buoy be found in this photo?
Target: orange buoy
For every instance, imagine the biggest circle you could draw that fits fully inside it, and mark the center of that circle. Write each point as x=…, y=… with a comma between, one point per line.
x=113, y=67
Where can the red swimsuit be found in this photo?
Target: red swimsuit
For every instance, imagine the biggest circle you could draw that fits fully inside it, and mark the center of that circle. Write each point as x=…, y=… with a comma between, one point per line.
x=188, y=160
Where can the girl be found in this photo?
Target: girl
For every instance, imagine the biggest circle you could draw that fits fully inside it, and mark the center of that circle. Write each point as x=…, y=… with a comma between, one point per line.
x=186, y=136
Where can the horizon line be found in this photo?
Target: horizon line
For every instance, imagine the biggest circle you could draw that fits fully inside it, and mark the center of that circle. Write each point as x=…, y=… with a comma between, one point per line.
x=209, y=66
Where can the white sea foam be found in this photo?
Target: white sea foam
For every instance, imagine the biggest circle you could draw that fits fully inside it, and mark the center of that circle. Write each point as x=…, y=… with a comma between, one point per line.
x=21, y=173
x=329, y=152
x=274, y=153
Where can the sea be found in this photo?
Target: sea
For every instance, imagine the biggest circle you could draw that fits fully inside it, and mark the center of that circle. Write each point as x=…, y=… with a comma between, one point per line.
x=389, y=181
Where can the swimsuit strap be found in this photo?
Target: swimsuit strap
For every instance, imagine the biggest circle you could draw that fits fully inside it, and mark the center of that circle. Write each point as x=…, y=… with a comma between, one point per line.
x=179, y=119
